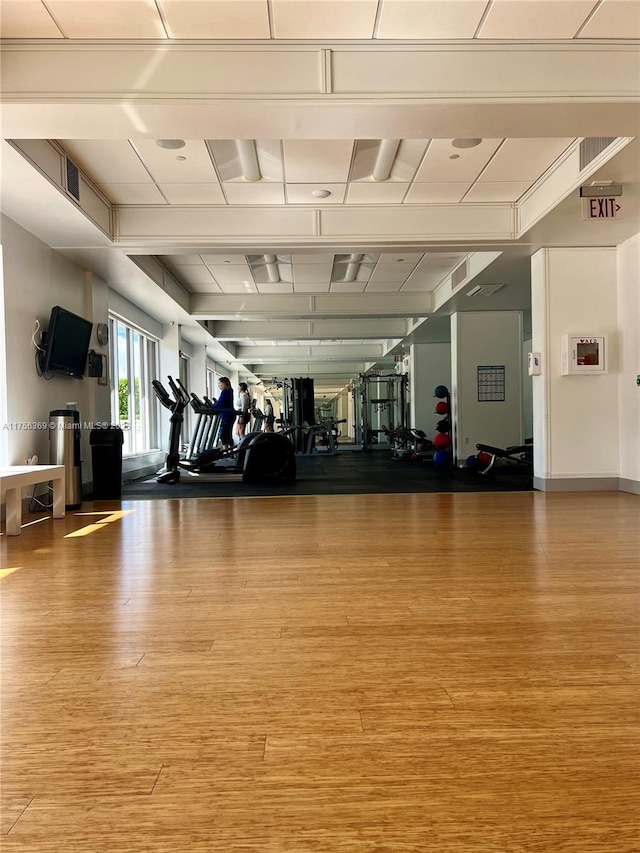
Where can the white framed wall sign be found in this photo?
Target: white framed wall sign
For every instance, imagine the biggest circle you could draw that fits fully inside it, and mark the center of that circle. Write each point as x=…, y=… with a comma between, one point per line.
x=584, y=354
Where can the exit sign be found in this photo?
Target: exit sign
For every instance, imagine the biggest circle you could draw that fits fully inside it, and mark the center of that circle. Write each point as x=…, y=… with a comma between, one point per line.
x=600, y=208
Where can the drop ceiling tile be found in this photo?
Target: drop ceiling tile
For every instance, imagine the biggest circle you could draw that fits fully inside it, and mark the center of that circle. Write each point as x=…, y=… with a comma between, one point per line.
x=261, y=275
x=340, y=268
x=227, y=159
x=241, y=288
x=212, y=260
x=524, y=159
x=311, y=287
x=497, y=191
x=347, y=287
x=430, y=19
x=204, y=288
x=107, y=161
x=108, y=19
x=231, y=274
x=316, y=273
x=216, y=19
x=407, y=159
x=614, y=19
x=301, y=194
x=194, y=275
x=425, y=283
x=436, y=193
x=401, y=257
x=26, y=19
x=323, y=19
x=392, y=272
x=256, y=193
x=383, y=286
x=376, y=193
x=166, y=167
x=182, y=260
x=312, y=259
x=535, y=19
x=275, y=287
x=133, y=193
x=438, y=167
x=193, y=193
x=317, y=161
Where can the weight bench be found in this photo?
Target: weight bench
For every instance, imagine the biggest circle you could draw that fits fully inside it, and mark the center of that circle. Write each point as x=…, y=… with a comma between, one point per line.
x=520, y=455
x=14, y=478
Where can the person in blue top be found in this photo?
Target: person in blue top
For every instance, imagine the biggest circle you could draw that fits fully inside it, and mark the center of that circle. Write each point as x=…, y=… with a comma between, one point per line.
x=224, y=405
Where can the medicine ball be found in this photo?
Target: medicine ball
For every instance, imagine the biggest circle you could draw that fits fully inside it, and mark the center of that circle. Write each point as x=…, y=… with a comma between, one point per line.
x=440, y=391
x=441, y=441
x=443, y=425
x=441, y=458
x=442, y=408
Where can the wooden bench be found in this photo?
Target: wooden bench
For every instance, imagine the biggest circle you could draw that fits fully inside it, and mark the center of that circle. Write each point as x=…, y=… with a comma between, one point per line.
x=14, y=478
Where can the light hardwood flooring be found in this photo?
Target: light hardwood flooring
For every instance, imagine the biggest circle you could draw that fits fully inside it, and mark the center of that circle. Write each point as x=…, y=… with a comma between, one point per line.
x=340, y=674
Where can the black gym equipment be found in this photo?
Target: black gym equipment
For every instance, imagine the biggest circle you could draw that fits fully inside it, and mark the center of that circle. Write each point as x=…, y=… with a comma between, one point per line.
x=514, y=458
x=259, y=458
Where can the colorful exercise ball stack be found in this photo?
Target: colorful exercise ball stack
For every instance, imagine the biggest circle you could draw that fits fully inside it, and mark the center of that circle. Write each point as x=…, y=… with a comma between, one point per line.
x=442, y=440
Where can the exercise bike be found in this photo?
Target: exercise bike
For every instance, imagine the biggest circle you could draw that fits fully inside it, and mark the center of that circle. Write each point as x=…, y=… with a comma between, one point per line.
x=260, y=457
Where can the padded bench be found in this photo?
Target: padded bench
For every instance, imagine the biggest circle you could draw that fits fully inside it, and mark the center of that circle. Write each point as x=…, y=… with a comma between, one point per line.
x=14, y=478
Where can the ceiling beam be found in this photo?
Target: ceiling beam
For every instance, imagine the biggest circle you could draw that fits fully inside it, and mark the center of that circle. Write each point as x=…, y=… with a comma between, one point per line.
x=550, y=90
x=312, y=329
x=297, y=306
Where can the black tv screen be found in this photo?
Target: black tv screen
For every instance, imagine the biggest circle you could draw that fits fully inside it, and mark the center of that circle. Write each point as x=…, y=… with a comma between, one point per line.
x=67, y=344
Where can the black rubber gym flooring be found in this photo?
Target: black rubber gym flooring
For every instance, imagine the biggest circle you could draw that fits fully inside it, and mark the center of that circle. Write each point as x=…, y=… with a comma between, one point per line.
x=347, y=473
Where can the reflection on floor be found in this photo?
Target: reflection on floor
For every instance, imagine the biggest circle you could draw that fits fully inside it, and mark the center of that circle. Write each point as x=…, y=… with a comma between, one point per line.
x=418, y=673
x=347, y=473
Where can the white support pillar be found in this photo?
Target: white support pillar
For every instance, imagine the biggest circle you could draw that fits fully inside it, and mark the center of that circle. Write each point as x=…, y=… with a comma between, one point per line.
x=429, y=366
x=575, y=417
x=486, y=380
x=628, y=271
x=199, y=369
x=169, y=366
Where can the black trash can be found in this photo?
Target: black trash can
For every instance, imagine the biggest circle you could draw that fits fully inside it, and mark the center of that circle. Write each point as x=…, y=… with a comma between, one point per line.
x=106, y=459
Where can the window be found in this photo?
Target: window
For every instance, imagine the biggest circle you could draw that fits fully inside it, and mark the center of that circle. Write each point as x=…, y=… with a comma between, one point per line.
x=185, y=378
x=212, y=384
x=133, y=403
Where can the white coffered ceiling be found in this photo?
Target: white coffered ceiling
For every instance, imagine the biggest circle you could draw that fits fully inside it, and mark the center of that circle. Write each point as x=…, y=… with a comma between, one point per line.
x=424, y=171
x=319, y=19
x=325, y=92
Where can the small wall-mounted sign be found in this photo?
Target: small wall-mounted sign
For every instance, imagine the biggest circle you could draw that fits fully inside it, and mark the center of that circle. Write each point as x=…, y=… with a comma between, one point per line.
x=600, y=208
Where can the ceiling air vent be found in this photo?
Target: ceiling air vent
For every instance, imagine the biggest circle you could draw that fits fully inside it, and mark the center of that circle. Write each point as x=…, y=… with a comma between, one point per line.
x=73, y=180
x=485, y=289
x=591, y=147
x=459, y=274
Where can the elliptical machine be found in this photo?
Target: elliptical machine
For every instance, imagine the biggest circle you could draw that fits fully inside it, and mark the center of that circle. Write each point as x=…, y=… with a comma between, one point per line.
x=260, y=458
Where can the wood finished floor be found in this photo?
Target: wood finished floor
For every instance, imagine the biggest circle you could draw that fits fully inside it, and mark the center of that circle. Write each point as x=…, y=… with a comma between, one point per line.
x=330, y=674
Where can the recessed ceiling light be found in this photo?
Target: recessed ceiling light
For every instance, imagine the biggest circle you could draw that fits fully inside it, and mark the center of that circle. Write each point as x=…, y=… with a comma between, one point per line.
x=170, y=143
x=454, y=157
x=466, y=143
x=181, y=157
x=320, y=193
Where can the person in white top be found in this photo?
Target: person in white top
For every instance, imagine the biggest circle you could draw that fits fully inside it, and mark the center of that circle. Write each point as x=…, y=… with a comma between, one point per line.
x=269, y=418
x=244, y=404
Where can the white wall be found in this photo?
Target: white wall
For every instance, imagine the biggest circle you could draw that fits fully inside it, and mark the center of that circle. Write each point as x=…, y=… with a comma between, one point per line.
x=628, y=274
x=134, y=315
x=527, y=392
x=573, y=291
x=429, y=365
x=485, y=338
x=4, y=436
x=35, y=279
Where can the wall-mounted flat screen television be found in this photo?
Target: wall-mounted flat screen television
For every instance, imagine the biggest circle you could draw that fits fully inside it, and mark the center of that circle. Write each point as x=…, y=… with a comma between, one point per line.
x=67, y=344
